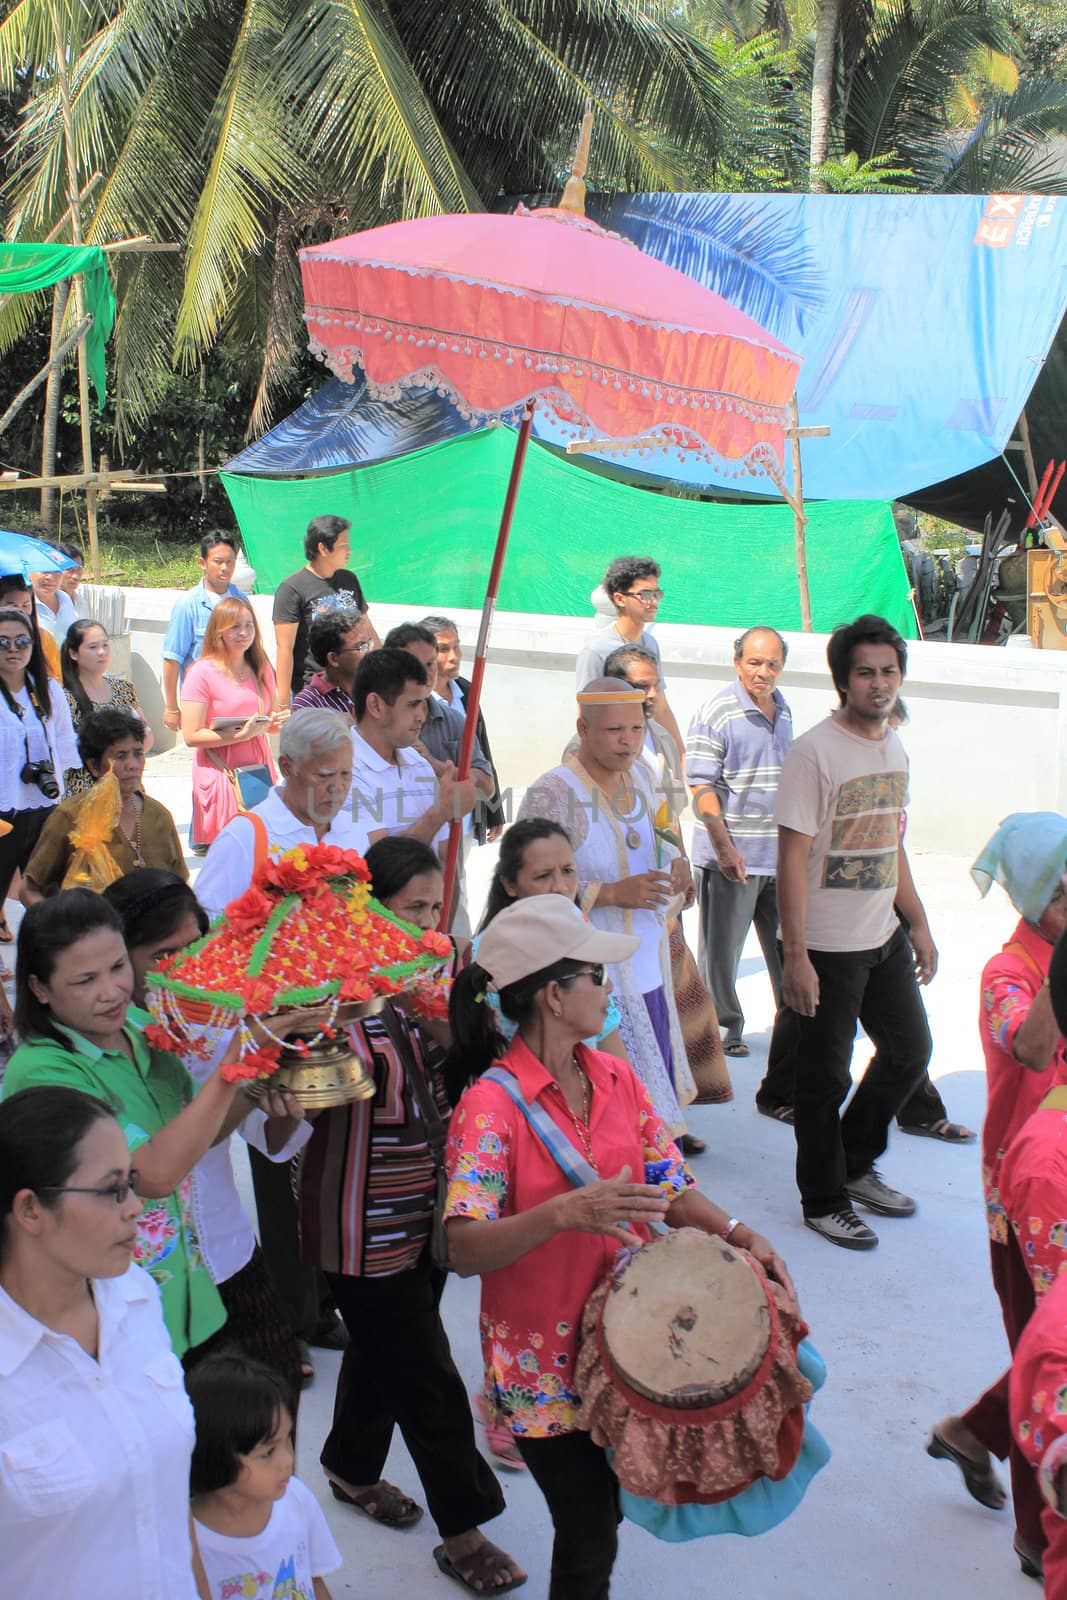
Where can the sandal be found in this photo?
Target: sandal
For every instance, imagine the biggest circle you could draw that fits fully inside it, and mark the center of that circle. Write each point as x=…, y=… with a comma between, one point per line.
x=478, y=1571
x=499, y=1438
x=777, y=1113
x=737, y=1047
x=940, y=1128
x=981, y=1482
x=383, y=1503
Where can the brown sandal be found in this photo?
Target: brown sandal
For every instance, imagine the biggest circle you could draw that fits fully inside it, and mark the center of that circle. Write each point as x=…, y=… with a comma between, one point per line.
x=479, y=1571
x=383, y=1503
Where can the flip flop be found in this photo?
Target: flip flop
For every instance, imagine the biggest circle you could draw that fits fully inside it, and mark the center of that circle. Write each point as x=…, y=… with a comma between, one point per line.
x=737, y=1048
x=499, y=1438
x=479, y=1569
x=383, y=1503
x=942, y=1128
x=982, y=1482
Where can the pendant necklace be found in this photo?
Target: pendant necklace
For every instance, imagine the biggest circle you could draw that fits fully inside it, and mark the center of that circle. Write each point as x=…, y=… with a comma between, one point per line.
x=630, y=833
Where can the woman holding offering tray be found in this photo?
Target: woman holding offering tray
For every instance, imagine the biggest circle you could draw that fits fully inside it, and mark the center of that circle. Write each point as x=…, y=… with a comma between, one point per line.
x=73, y=988
x=541, y=1245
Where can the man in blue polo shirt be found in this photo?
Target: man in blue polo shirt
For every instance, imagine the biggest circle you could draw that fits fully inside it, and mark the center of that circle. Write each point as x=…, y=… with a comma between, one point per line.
x=190, y=617
x=733, y=761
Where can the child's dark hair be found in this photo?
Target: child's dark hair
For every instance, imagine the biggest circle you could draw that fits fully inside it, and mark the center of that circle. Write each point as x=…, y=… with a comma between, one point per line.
x=237, y=1403
x=509, y=862
x=48, y=929
x=476, y=1037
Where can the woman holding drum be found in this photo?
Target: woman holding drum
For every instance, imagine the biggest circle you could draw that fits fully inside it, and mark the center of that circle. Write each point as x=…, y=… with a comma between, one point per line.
x=541, y=1245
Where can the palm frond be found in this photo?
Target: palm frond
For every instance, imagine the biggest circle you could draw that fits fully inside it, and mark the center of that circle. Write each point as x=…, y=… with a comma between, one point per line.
x=746, y=253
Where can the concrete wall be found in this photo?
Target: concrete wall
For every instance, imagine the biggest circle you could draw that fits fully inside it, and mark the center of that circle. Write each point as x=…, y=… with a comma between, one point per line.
x=987, y=736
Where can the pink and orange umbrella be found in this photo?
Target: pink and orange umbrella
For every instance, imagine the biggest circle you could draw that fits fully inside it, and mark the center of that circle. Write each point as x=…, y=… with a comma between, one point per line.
x=544, y=310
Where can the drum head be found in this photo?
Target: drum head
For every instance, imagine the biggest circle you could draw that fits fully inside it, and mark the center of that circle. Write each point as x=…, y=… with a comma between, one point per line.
x=687, y=1322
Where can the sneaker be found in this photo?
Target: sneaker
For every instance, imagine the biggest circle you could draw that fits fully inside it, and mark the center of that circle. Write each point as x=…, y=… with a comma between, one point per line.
x=873, y=1192
x=844, y=1228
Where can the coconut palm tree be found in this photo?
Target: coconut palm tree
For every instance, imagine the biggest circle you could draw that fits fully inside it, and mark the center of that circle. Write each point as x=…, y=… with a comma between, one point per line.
x=241, y=129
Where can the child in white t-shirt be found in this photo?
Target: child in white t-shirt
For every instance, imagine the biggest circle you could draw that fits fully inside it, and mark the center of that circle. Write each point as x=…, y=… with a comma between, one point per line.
x=258, y=1532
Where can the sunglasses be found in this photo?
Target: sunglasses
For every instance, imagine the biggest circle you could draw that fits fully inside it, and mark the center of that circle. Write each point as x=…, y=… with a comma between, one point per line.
x=119, y=1191
x=595, y=973
x=21, y=641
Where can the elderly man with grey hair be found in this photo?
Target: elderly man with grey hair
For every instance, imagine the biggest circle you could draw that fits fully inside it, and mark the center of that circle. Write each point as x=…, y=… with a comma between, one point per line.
x=308, y=807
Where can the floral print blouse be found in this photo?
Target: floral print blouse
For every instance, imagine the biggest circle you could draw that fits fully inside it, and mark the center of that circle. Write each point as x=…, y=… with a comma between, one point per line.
x=497, y=1165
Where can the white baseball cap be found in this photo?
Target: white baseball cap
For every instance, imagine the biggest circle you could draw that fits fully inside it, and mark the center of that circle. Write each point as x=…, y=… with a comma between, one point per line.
x=537, y=932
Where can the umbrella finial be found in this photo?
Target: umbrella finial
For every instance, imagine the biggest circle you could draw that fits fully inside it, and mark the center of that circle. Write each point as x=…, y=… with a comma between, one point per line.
x=573, y=197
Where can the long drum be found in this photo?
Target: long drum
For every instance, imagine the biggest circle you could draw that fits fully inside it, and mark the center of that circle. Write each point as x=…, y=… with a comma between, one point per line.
x=687, y=1371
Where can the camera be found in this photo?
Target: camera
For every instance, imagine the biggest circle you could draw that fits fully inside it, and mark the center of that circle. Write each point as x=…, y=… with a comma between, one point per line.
x=43, y=775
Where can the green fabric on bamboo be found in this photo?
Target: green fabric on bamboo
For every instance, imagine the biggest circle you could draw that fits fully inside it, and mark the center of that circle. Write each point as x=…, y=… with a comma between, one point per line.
x=28, y=268
x=424, y=526
x=147, y=1093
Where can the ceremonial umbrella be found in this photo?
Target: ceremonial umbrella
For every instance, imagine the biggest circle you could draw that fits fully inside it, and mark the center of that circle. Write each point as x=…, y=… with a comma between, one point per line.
x=506, y=314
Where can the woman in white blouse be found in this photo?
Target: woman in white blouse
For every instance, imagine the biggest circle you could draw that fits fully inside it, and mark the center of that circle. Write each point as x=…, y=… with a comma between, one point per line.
x=96, y=1432
x=37, y=743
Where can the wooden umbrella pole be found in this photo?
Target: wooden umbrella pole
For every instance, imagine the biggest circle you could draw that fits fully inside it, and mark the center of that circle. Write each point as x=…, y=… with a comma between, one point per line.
x=474, y=695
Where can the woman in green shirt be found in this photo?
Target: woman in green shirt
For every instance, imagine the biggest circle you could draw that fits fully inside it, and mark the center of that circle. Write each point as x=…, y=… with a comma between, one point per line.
x=73, y=990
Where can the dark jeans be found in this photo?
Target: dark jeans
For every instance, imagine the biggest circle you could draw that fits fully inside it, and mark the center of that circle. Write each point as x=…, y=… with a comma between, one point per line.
x=727, y=911
x=398, y=1371
x=989, y=1419
x=17, y=847
x=583, y=1497
x=877, y=988
x=302, y=1290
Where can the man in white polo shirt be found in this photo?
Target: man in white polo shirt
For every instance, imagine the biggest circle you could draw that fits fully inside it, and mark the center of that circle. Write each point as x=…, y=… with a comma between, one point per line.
x=394, y=788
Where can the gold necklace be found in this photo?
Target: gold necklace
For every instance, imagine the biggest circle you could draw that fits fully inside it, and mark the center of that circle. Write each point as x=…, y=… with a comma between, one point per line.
x=581, y=1124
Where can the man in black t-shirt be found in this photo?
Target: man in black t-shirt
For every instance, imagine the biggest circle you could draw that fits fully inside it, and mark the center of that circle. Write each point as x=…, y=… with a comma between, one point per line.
x=323, y=583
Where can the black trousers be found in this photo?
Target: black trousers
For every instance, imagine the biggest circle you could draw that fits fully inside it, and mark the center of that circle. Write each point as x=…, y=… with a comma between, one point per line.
x=398, y=1371
x=583, y=1497
x=727, y=911
x=17, y=847
x=877, y=988
x=302, y=1290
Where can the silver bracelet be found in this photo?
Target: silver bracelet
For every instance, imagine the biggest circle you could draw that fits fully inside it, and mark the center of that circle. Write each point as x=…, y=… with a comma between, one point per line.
x=734, y=1222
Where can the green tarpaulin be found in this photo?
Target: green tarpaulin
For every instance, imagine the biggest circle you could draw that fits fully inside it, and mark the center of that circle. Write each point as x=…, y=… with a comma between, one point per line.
x=424, y=525
x=26, y=268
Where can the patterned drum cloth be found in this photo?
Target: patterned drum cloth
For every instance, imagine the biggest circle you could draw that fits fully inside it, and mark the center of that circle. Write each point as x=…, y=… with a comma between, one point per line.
x=688, y=1371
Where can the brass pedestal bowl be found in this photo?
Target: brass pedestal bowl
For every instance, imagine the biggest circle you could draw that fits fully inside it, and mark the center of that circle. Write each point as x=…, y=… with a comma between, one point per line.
x=327, y=1073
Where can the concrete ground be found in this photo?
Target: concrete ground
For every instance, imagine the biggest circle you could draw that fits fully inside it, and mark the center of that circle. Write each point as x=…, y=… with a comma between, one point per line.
x=909, y=1331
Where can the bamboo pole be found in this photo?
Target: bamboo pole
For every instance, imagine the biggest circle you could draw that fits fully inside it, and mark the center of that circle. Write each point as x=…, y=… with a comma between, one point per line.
x=46, y=371
x=800, y=521
x=79, y=295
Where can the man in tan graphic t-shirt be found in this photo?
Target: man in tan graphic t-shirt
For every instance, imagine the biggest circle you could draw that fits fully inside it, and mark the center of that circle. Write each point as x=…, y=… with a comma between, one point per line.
x=842, y=870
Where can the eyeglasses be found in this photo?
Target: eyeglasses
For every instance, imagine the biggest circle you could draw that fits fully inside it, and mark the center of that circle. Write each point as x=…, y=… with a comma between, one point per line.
x=119, y=1191
x=646, y=596
x=595, y=973
x=22, y=641
x=355, y=649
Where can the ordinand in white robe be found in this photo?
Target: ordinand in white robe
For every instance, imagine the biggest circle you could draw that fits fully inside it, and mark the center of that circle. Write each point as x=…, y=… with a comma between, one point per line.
x=568, y=795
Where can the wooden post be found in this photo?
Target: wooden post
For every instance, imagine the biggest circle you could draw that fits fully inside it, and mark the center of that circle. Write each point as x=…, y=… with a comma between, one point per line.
x=800, y=521
x=79, y=293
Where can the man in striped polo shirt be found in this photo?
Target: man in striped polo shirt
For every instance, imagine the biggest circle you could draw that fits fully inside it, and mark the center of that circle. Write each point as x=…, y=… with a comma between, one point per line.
x=733, y=761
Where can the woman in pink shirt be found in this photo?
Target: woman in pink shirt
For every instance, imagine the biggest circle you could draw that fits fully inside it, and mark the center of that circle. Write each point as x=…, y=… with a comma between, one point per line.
x=541, y=1245
x=229, y=705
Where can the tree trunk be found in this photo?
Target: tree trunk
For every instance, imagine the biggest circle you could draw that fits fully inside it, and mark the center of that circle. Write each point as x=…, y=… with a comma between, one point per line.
x=53, y=395
x=822, y=84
